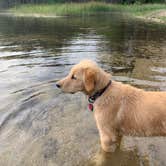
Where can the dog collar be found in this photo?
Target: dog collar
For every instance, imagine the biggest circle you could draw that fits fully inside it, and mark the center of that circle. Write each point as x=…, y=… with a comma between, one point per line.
x=92, y=99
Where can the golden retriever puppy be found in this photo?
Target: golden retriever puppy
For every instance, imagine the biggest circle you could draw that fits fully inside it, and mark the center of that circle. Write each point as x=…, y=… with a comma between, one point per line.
x=119, y=109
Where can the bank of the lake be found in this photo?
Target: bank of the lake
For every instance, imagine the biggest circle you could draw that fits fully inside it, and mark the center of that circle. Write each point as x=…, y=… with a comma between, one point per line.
x=147, y=11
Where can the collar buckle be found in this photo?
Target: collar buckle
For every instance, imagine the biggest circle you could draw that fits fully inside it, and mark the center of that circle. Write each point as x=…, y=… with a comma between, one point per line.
x=91, y=99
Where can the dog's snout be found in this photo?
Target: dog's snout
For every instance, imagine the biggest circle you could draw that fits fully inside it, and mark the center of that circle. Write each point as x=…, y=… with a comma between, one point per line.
x=58, y=85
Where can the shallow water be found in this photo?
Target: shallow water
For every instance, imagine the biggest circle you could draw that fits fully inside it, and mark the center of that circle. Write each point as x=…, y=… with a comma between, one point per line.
x=41, y=126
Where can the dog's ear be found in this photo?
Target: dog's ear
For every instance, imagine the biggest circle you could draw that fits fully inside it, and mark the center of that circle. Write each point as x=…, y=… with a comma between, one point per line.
x=89, y=80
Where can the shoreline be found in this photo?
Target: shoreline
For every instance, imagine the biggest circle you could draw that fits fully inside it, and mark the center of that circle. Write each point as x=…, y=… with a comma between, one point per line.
x=146, y=12
x=158, y=16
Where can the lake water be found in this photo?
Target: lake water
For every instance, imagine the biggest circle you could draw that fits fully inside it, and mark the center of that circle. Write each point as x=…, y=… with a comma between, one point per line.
x=39, y=125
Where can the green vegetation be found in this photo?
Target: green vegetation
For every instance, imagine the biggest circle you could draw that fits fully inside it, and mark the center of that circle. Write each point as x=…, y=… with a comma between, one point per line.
x=163, y=18
x=152, y=12
x=10, y=3
x=66, y=9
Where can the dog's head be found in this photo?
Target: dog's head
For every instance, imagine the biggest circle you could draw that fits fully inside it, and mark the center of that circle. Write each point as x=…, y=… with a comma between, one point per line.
x=86, y=77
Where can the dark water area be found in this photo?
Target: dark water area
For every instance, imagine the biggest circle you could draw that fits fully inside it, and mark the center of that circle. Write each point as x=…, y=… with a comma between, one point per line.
x=39, y=125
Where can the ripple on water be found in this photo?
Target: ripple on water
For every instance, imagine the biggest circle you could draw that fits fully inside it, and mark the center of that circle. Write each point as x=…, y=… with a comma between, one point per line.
x=41, y=126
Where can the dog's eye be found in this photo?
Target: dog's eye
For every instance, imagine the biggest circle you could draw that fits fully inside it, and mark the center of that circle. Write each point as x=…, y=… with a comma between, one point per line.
x=73, y=77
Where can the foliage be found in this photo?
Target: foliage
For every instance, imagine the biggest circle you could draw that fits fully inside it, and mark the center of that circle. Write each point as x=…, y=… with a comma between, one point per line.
x=85, y=8
x=9, y=3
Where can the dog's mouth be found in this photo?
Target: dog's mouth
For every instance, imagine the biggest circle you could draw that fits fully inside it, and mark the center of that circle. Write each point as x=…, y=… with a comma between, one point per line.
x=68, y=92
x=72, y=92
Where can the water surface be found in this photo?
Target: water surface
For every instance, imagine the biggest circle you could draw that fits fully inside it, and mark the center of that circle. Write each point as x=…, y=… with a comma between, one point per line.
x=41, y=126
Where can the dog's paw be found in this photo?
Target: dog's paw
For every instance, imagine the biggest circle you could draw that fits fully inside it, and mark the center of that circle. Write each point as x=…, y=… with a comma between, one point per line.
x=110, y=148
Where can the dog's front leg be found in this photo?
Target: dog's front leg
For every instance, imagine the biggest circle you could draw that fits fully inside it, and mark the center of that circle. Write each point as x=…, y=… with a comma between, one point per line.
x=108, y=137
x=108, y=142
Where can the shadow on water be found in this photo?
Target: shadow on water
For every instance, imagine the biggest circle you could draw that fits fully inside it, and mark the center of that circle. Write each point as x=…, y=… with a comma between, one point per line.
x=41, y=126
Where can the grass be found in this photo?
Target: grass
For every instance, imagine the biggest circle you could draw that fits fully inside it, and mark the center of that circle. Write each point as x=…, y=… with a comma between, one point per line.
x=163, y=18
x=62, y=9
x=70, y=9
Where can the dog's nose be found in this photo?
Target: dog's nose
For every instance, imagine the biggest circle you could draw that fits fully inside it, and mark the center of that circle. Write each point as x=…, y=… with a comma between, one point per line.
x=58, y=86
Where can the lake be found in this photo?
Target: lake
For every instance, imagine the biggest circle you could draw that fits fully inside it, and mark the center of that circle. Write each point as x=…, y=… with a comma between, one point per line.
x=41, y=126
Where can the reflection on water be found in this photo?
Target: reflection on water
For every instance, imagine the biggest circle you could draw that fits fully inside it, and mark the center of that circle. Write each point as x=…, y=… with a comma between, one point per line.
x=41, y=126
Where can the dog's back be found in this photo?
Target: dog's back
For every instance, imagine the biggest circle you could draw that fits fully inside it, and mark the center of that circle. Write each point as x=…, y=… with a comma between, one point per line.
x=142, y=113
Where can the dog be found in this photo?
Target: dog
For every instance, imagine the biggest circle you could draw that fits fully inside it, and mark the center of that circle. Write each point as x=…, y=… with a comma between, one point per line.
x=119, y=109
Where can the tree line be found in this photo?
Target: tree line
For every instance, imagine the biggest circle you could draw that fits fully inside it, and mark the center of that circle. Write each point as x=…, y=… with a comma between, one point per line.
x=10, y=3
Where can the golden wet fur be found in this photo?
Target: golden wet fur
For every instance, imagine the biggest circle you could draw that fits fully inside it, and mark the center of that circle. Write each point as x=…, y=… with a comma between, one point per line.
x=121, y=109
